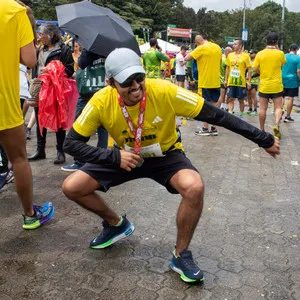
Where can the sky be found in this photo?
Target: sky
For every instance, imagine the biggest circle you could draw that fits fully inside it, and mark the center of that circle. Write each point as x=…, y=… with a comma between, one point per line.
x=221, y=5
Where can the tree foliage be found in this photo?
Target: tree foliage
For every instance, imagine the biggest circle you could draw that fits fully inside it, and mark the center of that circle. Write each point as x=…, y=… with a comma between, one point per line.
x=156, y=14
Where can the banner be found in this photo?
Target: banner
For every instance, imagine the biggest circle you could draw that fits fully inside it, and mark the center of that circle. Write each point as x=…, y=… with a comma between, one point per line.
x=179, y=32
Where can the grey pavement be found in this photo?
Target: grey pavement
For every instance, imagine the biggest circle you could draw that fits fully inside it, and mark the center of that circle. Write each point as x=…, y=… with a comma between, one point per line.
x=247, y=241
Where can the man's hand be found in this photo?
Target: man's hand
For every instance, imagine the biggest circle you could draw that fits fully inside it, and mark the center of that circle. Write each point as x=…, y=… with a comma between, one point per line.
x=129, y=160
x=275, y=149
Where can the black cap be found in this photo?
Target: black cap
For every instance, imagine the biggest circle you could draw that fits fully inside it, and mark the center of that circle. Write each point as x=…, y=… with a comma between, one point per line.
x=153, y=42
x=272, y=38
x=294, y=47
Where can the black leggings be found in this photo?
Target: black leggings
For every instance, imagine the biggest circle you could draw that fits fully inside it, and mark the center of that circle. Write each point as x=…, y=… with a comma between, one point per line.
x=41, y=139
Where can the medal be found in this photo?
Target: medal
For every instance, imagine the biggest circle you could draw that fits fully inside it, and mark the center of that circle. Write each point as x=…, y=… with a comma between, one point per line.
x=137, y=133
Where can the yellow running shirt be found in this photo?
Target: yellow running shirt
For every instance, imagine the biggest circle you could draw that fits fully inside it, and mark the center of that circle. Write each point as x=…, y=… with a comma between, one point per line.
x=15, y=33
x=238, y=64
x=270, y=62
x=164, y=101
x=208, y=57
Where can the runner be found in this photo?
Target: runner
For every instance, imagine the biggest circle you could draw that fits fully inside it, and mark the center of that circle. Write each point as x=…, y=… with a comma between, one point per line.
x=180, y=66
x=143, y=123
x=268, y=63
x=252, y=99
x=222, y=100
x=238, y=63
x=152, y=59
x=208, y=56
x=290, y=79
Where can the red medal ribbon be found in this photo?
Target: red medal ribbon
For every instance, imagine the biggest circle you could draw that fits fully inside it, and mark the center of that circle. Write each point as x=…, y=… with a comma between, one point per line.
x=138, y=132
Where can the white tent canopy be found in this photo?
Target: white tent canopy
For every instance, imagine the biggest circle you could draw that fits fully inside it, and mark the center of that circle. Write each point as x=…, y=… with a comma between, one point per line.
x=163, y=44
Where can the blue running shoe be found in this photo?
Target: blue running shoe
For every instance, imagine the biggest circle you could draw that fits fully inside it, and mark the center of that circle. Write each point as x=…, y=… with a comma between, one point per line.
x=42, y=214
x=73, y=167
x=3, y=179
x=186, y=267
x=111, y=234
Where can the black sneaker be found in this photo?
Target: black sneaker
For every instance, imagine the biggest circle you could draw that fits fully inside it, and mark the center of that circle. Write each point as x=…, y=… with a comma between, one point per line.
x=213, y=131
x=28, y=133
x=288, y=120
x=111, y=234
x=204, y=132
x=186, y=267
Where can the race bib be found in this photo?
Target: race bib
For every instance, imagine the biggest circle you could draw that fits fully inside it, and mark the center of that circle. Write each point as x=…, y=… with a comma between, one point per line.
x=148, y=151
x=235, y=73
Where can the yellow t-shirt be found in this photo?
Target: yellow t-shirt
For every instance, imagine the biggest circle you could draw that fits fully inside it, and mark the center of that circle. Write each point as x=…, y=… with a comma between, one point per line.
x=164, y=101
x=270, y=62
x=208, y=57
x=238, y=64
x=15, y=33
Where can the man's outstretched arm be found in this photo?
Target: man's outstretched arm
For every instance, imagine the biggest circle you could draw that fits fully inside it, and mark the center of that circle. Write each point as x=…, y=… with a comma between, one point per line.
x=214, y=115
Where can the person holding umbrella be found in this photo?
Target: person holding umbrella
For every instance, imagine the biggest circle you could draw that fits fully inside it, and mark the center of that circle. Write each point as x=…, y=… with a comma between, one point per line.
x=134, y=105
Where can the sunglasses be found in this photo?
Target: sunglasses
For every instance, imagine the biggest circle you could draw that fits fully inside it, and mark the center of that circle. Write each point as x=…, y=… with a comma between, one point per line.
x=138, y=78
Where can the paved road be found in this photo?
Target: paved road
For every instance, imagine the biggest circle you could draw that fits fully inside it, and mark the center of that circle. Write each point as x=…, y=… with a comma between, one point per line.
x=247, y=241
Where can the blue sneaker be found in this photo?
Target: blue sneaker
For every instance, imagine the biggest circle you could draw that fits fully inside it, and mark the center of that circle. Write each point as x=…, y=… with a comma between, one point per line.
x=186, y=267
x=10, y=176
x=73, y=167
x=42, y=214
x=3, y=179
x=111, y=234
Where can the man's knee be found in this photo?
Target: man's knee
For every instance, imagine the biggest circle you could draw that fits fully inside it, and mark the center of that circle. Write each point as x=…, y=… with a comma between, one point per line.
x=194, y=189
x=71, y=189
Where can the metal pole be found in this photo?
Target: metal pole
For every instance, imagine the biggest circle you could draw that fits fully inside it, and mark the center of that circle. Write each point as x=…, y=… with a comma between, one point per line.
x=244, y=20
x=282, y=24
x=244, y=15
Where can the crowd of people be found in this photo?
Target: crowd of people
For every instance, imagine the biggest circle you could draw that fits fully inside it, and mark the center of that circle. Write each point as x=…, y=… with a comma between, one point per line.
x=242, y=75
x=124, y=96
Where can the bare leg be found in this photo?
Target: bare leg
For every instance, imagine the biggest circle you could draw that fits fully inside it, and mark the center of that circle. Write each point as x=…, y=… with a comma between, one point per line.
x=31, y=120
x=242, y=105
x=289, y=106
x=263, y=106
x=277, y=107
x=25, y=109
x=81, y=188
x=254, y=98
x=189, y=184
x=14, y=143
x=249, y=98
x=230, y=102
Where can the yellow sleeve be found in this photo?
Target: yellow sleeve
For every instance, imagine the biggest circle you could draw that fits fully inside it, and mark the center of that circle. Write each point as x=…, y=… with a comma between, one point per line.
x=25, y=29
x=248, y=61
x=184, y=102
x=227, y=61
x=89, y=119
x=196, y=53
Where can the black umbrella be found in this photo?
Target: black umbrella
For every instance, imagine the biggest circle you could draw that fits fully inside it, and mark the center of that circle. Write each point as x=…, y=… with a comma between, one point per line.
x=98, y=29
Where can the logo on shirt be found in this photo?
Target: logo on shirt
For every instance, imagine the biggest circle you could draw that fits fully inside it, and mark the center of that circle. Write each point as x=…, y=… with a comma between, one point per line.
x=157, y=119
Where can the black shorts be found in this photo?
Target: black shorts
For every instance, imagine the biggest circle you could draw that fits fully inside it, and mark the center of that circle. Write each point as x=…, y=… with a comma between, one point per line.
x=211, y=94
x=238, y=92
x=291, y=92
x=270, y=96
x=180, y=78
x=160, y=169
x=253, y=86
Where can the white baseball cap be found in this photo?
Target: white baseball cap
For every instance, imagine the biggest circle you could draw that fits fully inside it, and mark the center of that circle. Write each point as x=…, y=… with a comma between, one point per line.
x=121, y=63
